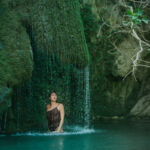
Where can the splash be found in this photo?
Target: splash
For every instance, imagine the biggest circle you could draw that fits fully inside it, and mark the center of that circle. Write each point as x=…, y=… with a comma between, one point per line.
x=70, y=130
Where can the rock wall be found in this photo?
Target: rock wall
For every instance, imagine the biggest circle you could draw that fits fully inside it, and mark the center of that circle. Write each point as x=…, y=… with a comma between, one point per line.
x=42, y=48
x=111, y=51
x=16, y=58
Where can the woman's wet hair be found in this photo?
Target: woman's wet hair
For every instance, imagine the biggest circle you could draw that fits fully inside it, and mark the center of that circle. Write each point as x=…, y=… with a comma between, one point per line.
x=52, y=92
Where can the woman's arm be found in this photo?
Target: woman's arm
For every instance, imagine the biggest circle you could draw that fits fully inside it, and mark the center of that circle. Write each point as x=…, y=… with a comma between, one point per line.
x=62, y=114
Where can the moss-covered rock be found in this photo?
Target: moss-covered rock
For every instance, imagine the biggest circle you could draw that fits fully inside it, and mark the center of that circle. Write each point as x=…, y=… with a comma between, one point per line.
x=42, y=44
x=16, y=63
x=5, y=98
x=58, y=29
x=111, y=52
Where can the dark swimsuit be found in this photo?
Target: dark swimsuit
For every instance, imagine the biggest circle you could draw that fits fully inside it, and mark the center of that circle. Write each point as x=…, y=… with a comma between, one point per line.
x=53, y=117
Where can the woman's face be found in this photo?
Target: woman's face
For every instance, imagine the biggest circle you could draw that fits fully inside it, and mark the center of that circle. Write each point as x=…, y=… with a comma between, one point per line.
x=53, y=97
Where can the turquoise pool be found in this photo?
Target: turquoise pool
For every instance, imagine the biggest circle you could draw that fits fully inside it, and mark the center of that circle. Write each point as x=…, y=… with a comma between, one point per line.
x=104, y=136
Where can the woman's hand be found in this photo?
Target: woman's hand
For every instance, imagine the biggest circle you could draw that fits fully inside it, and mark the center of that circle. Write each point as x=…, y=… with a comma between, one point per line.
x=59, y=130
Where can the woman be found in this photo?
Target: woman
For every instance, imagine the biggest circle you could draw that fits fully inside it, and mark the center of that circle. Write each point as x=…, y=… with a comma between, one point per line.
x=55, y=114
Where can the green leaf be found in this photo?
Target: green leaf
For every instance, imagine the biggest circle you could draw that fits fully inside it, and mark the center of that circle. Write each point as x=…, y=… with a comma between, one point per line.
x=145, y=20
x=138, y=21
x=129, y=12
x=138, y=12
x=134, y=18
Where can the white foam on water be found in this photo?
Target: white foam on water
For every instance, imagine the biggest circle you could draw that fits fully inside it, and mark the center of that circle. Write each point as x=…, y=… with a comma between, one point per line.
x=76, y=130
x=53, y=133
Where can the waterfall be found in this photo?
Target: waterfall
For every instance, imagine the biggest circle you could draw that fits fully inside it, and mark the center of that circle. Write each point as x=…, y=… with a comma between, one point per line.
x=87, y=98
x=5, y=120
x=58, y=51
x=18, y=109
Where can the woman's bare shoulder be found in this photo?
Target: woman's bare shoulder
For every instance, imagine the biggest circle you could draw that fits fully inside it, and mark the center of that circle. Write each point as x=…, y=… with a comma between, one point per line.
x=60, y=106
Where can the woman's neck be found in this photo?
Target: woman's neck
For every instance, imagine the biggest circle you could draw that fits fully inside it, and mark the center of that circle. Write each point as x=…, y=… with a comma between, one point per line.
x=53, y=103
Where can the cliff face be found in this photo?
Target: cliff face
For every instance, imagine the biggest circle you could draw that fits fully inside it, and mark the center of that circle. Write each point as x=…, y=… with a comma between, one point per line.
x=112, y=50
x=16, y=60
x=42, y=48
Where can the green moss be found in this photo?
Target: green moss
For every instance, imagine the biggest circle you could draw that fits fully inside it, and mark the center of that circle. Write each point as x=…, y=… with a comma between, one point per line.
x=15, y=51
x=90, y=22
x=5, y=98
x=53, y=31
x=63, y=31
x=109, y=93
x=15, y=55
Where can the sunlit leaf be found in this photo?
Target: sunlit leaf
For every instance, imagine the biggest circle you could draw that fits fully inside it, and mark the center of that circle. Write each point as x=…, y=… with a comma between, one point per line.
x=129, y=12
x=138, y=12
x=145, y=20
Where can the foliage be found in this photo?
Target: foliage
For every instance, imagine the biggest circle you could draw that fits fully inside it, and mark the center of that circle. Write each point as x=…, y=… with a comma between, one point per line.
x=136, y=17
x=90, y=22
x=102, y=61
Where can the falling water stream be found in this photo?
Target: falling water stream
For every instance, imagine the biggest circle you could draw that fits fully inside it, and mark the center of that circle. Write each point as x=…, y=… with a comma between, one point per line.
x=87, y=98
x=59, y=52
